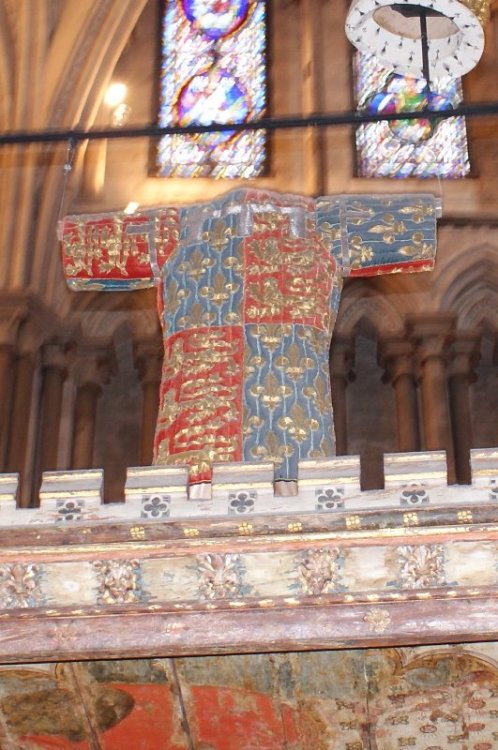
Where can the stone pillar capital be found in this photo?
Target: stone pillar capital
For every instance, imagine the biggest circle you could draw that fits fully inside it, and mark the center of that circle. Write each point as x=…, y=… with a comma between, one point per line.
x=148, y=355
x=94, y=364
x=342, y=357
x=13, y=312
x=57, y=354
x=464, y=354
x=396, y=357
x=431, y=333
x=38, y=325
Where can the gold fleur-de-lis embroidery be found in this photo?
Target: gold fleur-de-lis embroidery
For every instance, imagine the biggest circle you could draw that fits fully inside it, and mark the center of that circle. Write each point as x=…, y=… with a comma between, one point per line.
x=233, y=263
x=173, y=297
x=419, y=249
x=316, y=340
x=196, y=265
x=220, y=291
x=252, y=423
x=218, y=236
x=360, y=253
x=271, y=393
x=198, y=317
x=365, y=213
x=294, y=364
x=271, y=335
x=320, y=395
x=418, y=211
x=166, y=232
x=253, y=364
x=297, y=424
x=326, y=448
x=272, y=449
x=389, y=229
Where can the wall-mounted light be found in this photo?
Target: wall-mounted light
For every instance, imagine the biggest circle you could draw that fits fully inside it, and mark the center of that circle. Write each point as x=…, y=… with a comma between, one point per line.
x=115, y=99
x=115, y=94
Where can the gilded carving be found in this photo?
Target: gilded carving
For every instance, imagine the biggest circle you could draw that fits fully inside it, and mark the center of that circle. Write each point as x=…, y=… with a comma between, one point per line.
x=320, y=571
x=378, y=620
x=20, y=585
x=119, y=581
x=220, y=576
x=421, y=566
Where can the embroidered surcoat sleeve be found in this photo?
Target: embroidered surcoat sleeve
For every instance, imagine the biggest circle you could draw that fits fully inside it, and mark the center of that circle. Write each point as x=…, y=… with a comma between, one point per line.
x=116, y=251
x=248, y=292
x=369, y=235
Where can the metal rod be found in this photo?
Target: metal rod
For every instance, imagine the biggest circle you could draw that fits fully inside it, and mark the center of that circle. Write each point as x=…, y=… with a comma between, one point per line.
x=424, y=41
x=265, y=123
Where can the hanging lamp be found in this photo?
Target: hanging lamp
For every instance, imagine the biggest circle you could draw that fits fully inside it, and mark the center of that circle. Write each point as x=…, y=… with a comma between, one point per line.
x=451, y=31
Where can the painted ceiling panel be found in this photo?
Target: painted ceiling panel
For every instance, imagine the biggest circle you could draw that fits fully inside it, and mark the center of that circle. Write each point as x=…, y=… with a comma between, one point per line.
x=427, y=698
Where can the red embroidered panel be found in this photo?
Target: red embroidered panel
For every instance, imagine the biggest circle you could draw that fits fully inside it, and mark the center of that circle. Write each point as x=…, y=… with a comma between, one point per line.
x=111, y=247
x=288, y=279
x=200, y=411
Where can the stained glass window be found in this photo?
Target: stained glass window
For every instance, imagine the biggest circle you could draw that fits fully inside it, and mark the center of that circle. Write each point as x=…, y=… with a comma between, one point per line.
x=213, y=69
x=408, y=148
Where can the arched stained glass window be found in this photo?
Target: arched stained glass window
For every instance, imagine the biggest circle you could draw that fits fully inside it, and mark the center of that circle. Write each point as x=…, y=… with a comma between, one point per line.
x=407, y=148
x=213, y=69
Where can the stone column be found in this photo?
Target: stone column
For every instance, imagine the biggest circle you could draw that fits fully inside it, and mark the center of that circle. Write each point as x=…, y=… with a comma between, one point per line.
x=396, y=355
x=464, y=356
x=93, y=367
x=54, y=372
x=341, y=363
x=432, y=335
x=12, y=312
x=148, y=359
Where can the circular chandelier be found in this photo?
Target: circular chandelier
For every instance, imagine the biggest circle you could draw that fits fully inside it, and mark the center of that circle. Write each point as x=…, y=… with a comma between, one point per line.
x=448, y=33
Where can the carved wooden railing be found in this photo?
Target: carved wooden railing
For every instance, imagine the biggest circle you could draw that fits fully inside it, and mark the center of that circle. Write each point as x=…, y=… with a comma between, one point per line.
x=246, y=570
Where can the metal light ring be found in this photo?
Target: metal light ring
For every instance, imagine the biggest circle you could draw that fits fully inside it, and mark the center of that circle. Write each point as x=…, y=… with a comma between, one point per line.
x=452, y=55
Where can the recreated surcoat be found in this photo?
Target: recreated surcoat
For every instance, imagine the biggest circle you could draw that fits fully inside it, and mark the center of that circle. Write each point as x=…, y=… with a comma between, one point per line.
x=248, y=291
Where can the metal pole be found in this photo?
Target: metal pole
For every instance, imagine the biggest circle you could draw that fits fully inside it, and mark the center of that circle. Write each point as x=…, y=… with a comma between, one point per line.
x=265, y=123
x=424, y=41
